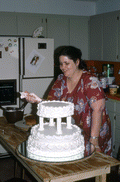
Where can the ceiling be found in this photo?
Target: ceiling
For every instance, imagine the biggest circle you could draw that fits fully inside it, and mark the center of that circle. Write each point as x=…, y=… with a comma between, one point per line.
x=88, y=0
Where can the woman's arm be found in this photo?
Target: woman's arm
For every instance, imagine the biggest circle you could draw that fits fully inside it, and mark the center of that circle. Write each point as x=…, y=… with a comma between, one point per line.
x=97, y=108
x=30, y=97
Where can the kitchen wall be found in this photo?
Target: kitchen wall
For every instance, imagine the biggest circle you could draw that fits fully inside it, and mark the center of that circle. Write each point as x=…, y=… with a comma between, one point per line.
x=104, y=6
x=64, y=7
x=98, y=65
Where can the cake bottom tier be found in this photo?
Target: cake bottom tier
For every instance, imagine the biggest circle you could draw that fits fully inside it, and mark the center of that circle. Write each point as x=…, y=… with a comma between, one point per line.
x=48, y=146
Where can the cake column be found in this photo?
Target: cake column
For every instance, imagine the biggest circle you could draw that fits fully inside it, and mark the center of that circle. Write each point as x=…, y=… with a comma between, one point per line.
x=69, y=122
x=41, y=128
x=59, y=130
x=51, y=122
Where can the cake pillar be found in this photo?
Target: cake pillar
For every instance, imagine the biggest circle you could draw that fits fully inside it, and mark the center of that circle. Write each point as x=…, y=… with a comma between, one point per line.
x=41, y=123
x=69, y=122
x=51, y=122
x=59, y=130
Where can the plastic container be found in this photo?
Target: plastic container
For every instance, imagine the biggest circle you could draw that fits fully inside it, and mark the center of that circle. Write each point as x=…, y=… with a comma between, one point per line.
x=113, y=89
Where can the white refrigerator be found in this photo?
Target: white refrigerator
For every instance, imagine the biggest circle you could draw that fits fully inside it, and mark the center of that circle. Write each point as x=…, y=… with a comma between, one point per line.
x=30, y=62
x=37, y=67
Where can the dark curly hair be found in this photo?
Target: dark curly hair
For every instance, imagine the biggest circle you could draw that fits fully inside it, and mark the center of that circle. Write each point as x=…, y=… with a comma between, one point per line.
x=73, y=53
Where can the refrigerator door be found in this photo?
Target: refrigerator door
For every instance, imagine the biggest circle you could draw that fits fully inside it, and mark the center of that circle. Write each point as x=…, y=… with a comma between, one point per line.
x=38, y=57
x=9, y=68
x=40, y=87
x=9, y=60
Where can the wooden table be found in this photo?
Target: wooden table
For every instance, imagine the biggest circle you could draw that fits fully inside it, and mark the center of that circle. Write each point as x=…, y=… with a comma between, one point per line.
x=98, y=165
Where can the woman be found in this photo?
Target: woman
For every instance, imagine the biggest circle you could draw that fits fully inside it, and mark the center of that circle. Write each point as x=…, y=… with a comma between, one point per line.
x=83, y=89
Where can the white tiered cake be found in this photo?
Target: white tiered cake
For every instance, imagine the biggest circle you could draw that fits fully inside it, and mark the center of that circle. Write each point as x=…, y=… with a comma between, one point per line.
x=55, y=141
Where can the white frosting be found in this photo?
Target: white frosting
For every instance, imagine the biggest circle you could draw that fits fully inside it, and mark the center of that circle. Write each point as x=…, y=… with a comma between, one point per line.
x=55, y=141
x=47, y=146
x=55, y=109
x=23, y=95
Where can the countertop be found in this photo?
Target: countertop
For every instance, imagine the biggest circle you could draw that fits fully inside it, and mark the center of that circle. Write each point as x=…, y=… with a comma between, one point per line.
x=114, y=97
x=97, y=165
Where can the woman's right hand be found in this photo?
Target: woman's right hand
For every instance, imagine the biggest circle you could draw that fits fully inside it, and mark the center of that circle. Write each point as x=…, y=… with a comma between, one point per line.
x=30, y=97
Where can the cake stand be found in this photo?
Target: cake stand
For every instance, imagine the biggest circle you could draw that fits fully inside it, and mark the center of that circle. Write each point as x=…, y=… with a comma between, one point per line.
x=22, y=152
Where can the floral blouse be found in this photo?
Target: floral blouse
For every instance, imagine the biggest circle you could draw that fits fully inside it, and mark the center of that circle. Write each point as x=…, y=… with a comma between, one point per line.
x=87, y=91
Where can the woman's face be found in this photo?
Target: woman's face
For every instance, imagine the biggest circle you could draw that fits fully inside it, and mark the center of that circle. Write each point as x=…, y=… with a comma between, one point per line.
x=67, y=66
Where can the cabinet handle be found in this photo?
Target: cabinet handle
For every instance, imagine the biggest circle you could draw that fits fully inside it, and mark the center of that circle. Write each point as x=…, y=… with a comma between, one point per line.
x=113, y=146
x=114, y=117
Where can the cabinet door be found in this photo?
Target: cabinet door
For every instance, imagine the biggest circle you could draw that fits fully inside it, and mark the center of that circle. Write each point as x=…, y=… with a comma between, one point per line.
x=119, y=37
x=27, y=23
x=8, y=24
x=111, y=105
x=110, y=37
x=117, y=138
x=58, y=29
x=111, y=116
x=117, y=127
x=79, y=34
x=96, y=37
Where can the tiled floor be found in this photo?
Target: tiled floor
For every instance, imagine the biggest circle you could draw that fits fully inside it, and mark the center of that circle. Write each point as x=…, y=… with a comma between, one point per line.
x=7, y=172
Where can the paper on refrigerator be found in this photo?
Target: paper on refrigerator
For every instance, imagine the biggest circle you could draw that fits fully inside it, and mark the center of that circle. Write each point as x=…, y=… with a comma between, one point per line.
x=34, y=61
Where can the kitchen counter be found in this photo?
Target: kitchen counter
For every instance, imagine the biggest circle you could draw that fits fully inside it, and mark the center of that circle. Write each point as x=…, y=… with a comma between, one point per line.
x=96, y=165
x=114, y=97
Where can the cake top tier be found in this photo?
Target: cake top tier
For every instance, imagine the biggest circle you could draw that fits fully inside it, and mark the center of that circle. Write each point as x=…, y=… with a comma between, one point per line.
x=55, y=109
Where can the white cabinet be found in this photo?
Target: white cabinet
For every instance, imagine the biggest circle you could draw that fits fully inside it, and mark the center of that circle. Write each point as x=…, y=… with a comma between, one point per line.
x=117, y=126
x=58, y=29
x=28, y=22
x=105, y=37
x=110, y=36
x=65, y=30
x=118, y=17
x=113, y=107
x=68, y=30
x=96, y=37
x=79, y=34
x=8, y=24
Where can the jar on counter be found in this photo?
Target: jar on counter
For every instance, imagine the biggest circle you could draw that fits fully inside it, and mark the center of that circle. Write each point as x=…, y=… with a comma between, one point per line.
x=113, y=89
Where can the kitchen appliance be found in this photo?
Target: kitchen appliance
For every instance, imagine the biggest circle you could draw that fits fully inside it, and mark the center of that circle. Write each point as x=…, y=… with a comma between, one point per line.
x=8, y=93
x=28, y=61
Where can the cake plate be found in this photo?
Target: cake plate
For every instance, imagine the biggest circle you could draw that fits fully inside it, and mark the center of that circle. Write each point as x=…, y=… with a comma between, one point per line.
x=22, y=152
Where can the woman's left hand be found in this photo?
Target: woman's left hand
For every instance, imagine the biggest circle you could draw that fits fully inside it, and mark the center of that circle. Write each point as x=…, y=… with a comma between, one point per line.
x=97, y=149
x=95, y=144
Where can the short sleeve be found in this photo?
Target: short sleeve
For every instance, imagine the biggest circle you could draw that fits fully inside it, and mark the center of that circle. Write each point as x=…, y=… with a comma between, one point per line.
x=93, y=89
